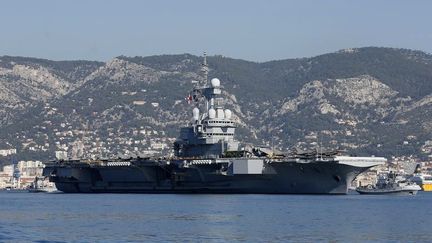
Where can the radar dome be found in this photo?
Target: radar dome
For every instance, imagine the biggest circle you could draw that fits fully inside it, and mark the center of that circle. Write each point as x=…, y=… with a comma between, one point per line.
x=215, y=82
x=220, y=114
x=212, y=113
x=228, y=114
x=195, y=113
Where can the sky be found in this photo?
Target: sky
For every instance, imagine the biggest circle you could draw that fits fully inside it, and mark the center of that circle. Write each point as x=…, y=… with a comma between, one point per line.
x=245, y=29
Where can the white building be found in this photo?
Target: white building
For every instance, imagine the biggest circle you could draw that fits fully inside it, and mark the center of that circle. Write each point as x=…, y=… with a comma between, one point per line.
x=61, y=155
x=6, y=152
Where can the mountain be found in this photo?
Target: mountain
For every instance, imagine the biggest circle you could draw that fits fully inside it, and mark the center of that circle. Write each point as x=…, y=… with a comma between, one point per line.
x=364, y=100
x=29, y=81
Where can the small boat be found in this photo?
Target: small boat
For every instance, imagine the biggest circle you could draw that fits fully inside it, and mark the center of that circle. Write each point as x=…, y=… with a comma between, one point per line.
x=391, y=183
x=39, y=185
x=422, y=179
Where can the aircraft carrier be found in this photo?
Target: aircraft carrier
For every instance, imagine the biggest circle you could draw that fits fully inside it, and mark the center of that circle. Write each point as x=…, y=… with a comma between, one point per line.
x=208, y=159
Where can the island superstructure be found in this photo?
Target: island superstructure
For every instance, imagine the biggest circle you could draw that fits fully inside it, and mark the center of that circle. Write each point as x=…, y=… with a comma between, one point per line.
x=208, y=159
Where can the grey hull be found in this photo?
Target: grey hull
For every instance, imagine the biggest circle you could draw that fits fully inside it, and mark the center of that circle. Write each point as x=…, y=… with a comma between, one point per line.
x=278, y=178
x=388, y=192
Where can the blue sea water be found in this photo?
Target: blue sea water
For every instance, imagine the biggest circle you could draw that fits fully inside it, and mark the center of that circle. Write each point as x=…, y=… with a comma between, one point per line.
x=40, y=217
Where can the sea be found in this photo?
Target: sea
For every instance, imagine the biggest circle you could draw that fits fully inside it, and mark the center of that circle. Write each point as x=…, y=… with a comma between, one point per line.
x=59, y=217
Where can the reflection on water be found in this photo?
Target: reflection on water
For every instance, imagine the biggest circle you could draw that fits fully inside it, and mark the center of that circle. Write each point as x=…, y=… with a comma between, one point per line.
x=140, y=217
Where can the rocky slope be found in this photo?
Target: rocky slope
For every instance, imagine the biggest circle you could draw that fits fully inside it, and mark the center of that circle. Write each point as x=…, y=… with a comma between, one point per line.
x=26, y=82
x=366, y=101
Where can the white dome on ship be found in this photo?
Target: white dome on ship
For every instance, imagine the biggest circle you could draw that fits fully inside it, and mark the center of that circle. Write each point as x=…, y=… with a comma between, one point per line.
x=212, y=113
x=228, y=114
x=195, y=113
x=215, y=82
x=220, y=114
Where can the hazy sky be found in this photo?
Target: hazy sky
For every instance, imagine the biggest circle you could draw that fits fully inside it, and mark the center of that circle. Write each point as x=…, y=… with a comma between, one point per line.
x=249, y=29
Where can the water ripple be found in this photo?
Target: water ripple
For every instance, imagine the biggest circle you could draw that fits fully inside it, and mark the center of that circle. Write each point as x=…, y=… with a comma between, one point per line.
x=213, y=218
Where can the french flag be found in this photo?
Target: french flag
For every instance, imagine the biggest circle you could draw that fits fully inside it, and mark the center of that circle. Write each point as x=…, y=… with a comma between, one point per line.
x=189, y=99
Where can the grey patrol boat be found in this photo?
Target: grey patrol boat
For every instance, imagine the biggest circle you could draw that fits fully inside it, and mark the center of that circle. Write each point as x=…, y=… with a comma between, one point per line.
x=207, y=159
x=391, y=183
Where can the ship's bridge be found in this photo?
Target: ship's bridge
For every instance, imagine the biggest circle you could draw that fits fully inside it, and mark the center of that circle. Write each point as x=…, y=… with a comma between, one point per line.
x=219, y=123
x=214, y=130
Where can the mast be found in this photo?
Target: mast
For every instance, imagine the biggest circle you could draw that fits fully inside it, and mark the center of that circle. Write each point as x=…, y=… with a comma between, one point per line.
x=205, y=70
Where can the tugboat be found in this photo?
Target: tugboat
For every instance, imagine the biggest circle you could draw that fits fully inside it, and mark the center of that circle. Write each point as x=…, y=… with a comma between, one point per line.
x=391, y=183
x=208, y=159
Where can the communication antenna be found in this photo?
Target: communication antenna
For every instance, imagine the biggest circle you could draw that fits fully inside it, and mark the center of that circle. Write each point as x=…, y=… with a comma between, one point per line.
x=205, y=70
